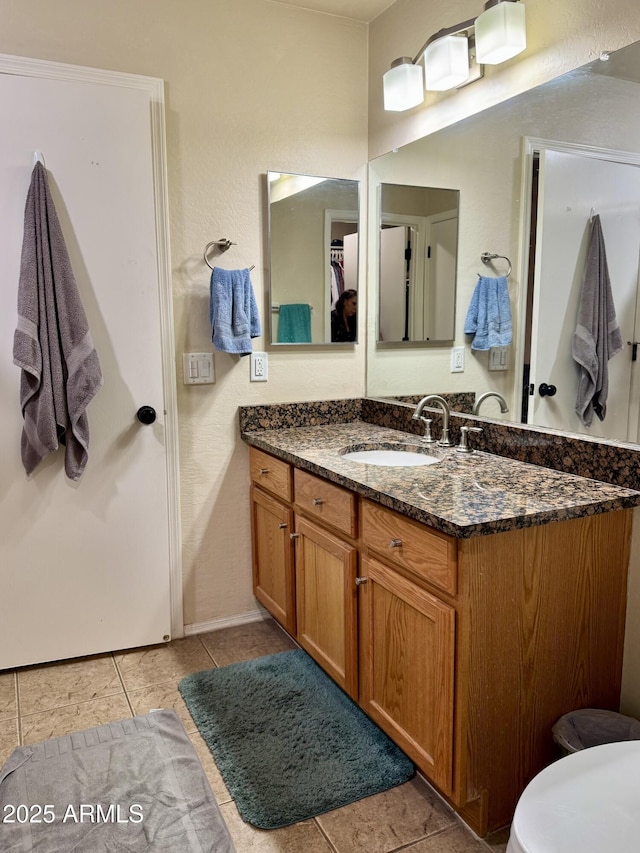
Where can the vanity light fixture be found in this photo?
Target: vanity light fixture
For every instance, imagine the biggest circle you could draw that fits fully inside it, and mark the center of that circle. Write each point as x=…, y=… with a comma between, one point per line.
x=453, y=57
x=501, y=31
x=403, y=85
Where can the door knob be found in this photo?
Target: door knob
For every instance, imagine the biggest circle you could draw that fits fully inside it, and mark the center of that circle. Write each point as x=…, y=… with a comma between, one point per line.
x=146, y=415
x=547, y=390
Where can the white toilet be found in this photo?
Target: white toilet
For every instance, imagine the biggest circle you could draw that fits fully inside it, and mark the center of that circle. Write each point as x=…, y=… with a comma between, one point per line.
x=587, y=802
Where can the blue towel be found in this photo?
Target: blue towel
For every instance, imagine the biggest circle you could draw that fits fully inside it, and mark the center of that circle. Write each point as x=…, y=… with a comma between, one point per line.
x=233, y=311
x=294, y=324
x=489, y=314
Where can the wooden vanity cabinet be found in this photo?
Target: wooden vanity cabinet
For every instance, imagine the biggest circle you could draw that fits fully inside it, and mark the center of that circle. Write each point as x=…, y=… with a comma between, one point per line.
x=471, y=649
x=465, y=651
x=305, y=562
x=271, y=528
x=407, y=658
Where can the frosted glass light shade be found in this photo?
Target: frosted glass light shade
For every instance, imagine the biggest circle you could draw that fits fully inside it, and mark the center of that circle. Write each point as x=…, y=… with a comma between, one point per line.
x=403, y=85
x=446, y=63
x=500, y=33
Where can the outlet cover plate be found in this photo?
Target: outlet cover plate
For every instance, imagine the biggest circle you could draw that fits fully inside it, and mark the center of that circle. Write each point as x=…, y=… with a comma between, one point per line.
x=259, y=371
x=457, y=360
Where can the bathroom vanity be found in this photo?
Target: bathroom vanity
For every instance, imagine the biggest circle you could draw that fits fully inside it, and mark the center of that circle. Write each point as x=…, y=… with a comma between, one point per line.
x=465, y=605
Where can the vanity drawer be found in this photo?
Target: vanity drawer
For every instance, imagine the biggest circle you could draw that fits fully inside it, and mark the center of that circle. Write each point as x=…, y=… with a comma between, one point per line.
x=270, y=473
x=415, y=547
x=325, y=501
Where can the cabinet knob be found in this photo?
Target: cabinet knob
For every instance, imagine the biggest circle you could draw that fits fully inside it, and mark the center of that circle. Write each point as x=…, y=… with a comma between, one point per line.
x=317, y=501
x=360, y=581
x=283, y=525
x=264, y=471
x=294, y=535
x=395, y=543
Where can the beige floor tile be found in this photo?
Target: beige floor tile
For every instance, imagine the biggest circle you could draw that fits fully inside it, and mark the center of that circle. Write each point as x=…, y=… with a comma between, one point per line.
x=8, y=738
x=156, y=664
x=456, y=839
x=386, y=821
x=302, y=837
x=54, y=685
x=210, y=768
x=243, y=642
x=164, y=695
x=8, y=703
x=497, y=841
x=74, y=718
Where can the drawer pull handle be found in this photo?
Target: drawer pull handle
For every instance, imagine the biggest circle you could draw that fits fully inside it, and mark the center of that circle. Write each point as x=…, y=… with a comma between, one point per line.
x=395, y=543
x=294, y=535
x=264, y=470
x=360, y=581
x=317, y=501
x=283, y=525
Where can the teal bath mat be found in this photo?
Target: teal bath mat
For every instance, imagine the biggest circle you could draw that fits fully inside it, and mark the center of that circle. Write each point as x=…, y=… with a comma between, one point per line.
x=289, y=743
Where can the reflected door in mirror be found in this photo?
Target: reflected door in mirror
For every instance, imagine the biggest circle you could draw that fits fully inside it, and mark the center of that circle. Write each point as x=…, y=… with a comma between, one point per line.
x=418, y=255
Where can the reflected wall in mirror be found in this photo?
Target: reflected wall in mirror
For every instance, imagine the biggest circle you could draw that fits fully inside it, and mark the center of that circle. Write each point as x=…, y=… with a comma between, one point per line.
x=590, y=113
x=418, y=252
x=313, y=257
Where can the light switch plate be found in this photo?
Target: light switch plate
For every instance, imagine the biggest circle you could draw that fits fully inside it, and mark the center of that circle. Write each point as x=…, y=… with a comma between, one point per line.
x=197, y=368
x=499, y=358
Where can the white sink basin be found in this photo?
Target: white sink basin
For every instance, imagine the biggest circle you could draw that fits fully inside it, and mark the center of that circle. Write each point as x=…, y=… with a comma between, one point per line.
x=391, y=458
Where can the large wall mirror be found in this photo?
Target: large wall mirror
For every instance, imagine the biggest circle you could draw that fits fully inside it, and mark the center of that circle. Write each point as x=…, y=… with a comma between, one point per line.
x=313, y=258
x=532, y=172
x=417, y=269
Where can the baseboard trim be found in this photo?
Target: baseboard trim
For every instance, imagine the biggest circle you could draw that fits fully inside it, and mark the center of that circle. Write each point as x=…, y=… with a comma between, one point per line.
x=225, y=622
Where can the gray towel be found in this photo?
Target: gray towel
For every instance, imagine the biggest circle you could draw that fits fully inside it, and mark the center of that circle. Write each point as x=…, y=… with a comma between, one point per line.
x=233, y=311
x=597, y=336
x=134, y=785
x=52, y=344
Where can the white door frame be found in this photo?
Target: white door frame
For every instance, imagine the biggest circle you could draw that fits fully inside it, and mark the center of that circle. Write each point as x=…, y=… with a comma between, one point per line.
x=530, y=146
x=154, y=87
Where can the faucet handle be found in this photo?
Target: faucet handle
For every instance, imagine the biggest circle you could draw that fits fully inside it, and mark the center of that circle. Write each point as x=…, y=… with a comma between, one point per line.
x=428, y=438
x=463, y=447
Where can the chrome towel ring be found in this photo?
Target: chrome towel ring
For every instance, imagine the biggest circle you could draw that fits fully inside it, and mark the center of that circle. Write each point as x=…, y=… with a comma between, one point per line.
x=487, y=257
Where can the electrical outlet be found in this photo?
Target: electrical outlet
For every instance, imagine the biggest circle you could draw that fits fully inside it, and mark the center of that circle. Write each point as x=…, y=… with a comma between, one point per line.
x=259, y=367
x=457, y=359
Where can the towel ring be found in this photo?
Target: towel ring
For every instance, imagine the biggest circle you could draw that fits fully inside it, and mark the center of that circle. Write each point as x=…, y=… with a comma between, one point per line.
x=223, y=244
x=487, y=257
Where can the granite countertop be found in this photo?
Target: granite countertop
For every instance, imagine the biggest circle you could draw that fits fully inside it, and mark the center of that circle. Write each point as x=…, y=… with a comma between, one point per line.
x=463, y=495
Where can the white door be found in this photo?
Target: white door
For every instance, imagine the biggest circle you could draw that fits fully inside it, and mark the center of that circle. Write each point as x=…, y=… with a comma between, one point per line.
x=87, y=567
x=393, y=278
x=441, y=277
x=572, y=186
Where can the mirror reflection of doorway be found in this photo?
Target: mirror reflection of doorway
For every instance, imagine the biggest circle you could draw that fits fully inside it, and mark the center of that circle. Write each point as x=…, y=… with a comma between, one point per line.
x=573, y=185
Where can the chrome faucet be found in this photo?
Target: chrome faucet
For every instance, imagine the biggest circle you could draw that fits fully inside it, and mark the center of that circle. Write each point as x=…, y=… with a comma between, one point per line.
x=503, y=403
x=445, y=441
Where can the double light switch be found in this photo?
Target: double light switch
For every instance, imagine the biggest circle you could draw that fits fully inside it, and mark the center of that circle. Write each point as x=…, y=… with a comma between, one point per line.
x=198, y=368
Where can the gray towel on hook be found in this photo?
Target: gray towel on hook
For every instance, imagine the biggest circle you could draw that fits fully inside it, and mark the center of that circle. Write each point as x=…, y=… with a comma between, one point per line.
x=597, y=336
x=52, y=344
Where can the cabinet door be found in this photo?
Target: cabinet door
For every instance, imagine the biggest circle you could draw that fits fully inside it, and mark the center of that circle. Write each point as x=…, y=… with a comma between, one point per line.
x=407, y=668
x=273, y=581
x=326, y=604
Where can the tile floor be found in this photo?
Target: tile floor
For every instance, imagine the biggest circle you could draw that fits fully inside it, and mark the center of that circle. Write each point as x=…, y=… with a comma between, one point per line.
x=45, y=701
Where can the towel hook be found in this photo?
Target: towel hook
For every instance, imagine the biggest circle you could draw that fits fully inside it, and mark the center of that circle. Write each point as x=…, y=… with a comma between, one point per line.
x=222, y=245
x=487, y=257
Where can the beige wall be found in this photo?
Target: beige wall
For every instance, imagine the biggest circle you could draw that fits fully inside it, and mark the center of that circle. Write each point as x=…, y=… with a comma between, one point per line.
x=251, y=85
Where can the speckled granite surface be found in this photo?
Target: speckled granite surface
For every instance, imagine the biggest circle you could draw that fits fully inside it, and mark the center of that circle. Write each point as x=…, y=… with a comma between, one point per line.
x=463, y=495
